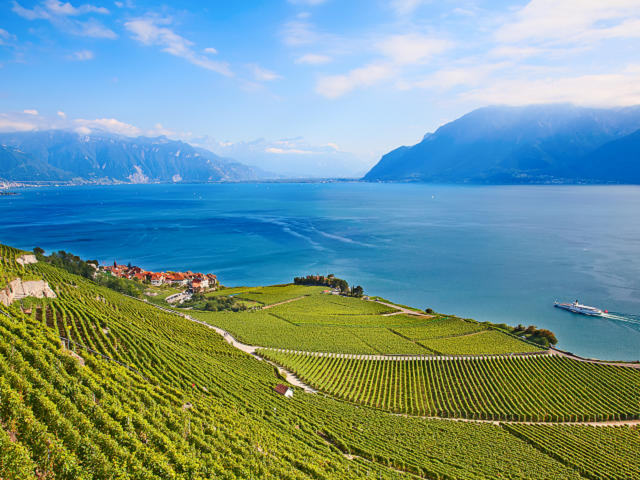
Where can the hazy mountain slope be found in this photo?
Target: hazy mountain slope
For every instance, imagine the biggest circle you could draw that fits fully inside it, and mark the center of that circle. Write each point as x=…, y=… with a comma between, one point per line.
x=290, y=157
x=617, y=161
x=119, y=158
x=499, y=144
x=17, y=165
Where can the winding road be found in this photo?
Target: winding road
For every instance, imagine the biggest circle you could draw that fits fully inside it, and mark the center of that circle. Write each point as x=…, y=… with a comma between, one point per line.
x=293, y=380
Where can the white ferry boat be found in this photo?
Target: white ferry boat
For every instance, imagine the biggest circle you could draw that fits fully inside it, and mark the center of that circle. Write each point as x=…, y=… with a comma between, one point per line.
x=575, y=307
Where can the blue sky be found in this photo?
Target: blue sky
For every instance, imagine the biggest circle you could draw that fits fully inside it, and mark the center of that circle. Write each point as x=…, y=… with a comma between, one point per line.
x=365, y=76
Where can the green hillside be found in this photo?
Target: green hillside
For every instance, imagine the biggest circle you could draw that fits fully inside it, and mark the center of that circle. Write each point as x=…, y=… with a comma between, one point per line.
x=161, y=396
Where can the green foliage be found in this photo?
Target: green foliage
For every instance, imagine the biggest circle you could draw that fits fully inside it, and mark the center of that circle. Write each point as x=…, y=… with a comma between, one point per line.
x=536, y=388
x=121, y=285
x=437, y=449
x=532, y=333
x=439, y=328
x=329, y=281
x=488, y=342
x=595, y=453
x=258, y=328
x=105, y=421
x=332, y=305
x=278, y=294
x=67, y=261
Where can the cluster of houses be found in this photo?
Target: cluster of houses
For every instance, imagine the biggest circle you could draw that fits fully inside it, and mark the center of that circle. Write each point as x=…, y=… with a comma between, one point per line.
x=196, y=281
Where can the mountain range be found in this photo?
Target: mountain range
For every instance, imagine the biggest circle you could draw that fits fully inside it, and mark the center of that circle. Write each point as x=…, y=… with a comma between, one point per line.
x=61, y=155
x=530, y=144
x=294, y=157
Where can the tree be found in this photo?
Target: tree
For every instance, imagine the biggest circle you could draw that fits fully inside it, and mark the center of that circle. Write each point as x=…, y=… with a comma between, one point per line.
x=429, y=311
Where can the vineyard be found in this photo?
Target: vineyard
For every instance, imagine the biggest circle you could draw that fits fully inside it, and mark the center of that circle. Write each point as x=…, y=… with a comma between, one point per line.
x=333, y=305
x=536, y=389
x=258, y=328
x=595, y=452
x=160, y=396
x=334, y=324
x=491, y=342
x=10, y=269
x=275, y=294
x=445, y=327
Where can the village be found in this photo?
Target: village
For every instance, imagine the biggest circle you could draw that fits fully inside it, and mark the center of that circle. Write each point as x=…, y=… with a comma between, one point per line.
x=188, y=281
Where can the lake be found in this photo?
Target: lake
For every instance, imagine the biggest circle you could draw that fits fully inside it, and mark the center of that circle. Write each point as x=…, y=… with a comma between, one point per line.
x=497, y=253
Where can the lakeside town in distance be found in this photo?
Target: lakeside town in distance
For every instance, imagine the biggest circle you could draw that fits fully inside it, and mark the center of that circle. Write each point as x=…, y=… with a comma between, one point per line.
x=189, y=281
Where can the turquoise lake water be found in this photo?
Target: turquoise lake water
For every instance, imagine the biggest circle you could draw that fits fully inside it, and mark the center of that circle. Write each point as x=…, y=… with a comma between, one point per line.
x=502, y=254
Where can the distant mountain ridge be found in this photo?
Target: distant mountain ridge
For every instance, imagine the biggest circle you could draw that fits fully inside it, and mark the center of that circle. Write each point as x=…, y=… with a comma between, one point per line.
x=62, y=155
x=531, y=144
x=293, y=157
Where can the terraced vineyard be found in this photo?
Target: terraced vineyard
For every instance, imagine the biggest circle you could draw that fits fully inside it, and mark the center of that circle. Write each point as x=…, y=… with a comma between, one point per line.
x=438, y=449
x=347, y=320
x=258, y=328
x=164, y=397
x=333, y=324
x=10, y=269
x=595, y=452
x=277, y=294
x=488, y=342
x=543, y=388
x=440, y=328
x=333, y=305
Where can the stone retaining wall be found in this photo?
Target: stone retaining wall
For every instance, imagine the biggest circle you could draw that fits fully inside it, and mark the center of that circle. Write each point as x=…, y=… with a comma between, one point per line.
x=18, y=289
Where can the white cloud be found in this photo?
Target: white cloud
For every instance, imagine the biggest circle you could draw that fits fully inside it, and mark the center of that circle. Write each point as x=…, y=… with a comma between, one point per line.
x=313, y=59
x=405, y=7
x=411, y=48
x=108, y=125
x=82, y=55
x=211, y=50
x=59, y=8
x=119, y=4
x=51, y=8
x=28, y=120
x=338, y=85
x=147, y=32
x=462, y=11
x=450, y=77
x=13, y=123
x=83, y=130
x=114, y=126
x=307, y=2
x=6, y=38
x=262, y=74
x=298, y=32
x=289, y=151
x=58, y=14
x=552, y=20
x=93, y=28
x=398, y=51
x=607, y=90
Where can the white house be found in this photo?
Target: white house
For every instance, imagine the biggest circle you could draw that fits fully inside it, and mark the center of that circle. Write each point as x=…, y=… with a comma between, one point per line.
x=284, y=390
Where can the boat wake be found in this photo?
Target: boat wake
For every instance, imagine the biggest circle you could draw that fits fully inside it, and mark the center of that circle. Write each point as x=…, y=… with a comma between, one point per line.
x=629, y=320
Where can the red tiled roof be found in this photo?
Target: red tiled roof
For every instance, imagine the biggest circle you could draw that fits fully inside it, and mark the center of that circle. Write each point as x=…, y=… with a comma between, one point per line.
x=281, y=389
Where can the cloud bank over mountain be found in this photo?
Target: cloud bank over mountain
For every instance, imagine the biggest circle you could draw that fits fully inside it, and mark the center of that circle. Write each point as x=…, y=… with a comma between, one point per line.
x=291, y=157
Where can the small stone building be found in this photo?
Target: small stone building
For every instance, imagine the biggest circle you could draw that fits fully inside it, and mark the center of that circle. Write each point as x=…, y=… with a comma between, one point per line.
x=284, y=390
